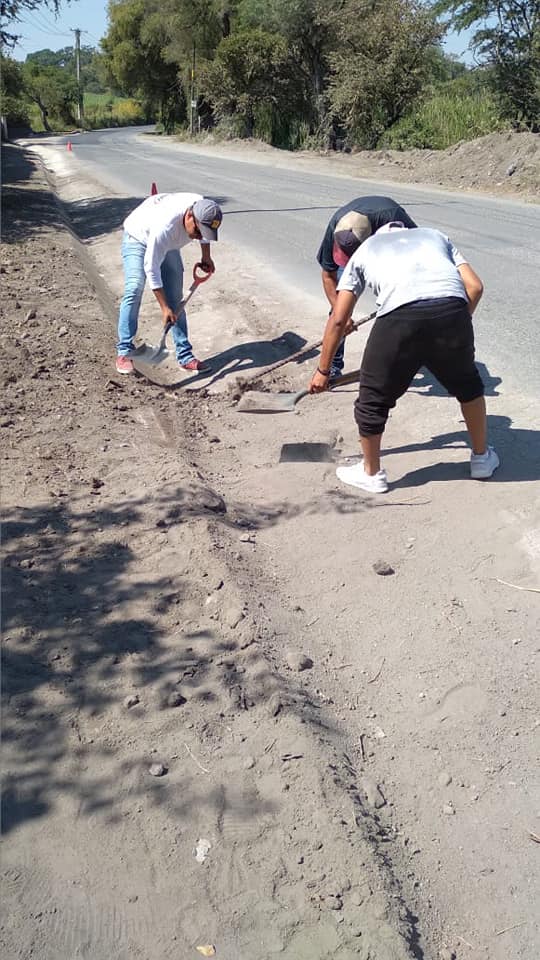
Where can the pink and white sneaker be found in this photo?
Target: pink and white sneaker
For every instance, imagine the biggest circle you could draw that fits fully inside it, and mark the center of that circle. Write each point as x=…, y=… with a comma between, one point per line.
x=124, y=365
x=196, y=366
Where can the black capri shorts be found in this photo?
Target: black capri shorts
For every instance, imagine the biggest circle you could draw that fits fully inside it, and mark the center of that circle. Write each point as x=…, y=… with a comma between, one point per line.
x=437, y=334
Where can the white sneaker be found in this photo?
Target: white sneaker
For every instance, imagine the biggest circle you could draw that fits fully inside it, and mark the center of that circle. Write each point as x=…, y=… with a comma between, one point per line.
x=357, y=477
x=483, y=465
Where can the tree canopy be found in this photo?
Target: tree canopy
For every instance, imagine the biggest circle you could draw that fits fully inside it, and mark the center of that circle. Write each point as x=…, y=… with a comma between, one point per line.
x=12, y=10
x=507, y=38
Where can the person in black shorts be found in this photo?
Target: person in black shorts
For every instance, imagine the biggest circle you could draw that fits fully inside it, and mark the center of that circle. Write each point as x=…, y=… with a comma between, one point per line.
x=348, y=228
x=426, y=294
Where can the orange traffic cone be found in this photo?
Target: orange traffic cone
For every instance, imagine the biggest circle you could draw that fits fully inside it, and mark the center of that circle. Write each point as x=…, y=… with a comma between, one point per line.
x=69, y=147
x=154, y=190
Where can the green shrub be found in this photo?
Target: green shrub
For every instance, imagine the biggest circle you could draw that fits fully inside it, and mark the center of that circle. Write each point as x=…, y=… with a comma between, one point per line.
x=104, y=110
x=15, y=111
x=445, y=118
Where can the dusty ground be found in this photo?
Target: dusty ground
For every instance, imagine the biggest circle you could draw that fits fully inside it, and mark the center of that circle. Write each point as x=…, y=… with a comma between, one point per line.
x=500, y=163
x=379, y=803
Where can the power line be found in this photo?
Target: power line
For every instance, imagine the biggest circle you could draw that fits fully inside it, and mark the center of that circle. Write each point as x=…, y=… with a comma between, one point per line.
x=43, y=30
x=43, y=23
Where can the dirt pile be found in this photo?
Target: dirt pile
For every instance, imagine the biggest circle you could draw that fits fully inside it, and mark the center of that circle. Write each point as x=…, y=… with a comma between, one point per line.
x=500, y=163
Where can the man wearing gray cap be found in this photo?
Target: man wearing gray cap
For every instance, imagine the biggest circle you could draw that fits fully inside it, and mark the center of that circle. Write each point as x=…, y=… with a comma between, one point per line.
x=154, y=233
x=348, y=228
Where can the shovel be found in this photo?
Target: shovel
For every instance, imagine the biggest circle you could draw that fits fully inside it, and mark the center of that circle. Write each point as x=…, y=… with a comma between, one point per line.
x=155, y=355
x=257, y=401
x=299, y=355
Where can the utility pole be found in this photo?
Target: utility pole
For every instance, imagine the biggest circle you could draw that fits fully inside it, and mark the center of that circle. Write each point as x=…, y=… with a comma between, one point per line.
x=193, y=101
x=80, y=102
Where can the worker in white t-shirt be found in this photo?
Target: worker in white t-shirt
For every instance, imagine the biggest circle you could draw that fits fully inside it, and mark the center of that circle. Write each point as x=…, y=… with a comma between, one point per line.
x=426, y=293
x=154, y=234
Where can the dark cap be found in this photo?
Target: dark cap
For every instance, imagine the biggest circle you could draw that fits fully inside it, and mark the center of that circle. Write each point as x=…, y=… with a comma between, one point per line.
x=208, y=215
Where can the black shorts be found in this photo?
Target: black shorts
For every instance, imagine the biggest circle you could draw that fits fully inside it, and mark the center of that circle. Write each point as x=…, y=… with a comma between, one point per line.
x=437, y=334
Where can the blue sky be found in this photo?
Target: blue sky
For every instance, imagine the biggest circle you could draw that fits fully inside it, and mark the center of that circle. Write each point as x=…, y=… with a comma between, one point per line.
x=40, y=29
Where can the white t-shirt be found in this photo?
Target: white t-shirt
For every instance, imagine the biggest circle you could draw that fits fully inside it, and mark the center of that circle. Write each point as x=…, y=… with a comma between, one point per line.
x=401, y=266
x=158, y=223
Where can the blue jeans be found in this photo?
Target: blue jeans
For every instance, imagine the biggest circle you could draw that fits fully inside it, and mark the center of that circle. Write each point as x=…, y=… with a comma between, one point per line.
x=172, y=274
x=339, y=357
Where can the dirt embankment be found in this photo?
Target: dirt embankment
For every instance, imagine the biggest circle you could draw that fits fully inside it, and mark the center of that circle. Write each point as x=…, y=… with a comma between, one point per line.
x=500, y=163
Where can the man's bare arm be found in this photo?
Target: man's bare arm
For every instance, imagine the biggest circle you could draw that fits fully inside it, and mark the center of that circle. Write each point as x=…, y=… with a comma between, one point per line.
x=474, y=287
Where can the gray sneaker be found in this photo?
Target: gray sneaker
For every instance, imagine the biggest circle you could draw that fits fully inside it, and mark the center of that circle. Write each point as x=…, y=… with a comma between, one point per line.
x=484, y=465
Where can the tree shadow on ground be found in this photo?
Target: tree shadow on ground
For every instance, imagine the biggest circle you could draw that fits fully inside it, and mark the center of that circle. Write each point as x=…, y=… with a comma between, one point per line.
x=25, y=213
x=518, y=449
x=84, y=616
x=94, y=217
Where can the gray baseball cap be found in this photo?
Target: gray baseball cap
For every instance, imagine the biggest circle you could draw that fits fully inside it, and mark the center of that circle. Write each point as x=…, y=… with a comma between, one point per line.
x=208, y=215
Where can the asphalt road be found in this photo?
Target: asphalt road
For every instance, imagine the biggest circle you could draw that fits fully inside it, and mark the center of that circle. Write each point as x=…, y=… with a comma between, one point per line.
x=280, y=215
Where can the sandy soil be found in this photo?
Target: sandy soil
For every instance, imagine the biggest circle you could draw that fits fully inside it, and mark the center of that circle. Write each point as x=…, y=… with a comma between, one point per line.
x=346, y=760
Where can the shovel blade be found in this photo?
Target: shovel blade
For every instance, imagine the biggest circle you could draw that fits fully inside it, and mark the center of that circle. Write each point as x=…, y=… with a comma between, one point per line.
x=257, y=401
x=151, y=355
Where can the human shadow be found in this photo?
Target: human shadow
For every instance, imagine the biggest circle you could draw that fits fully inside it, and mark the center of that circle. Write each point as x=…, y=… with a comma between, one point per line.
x=240, y=359
x=518, y=450
x=429, y=386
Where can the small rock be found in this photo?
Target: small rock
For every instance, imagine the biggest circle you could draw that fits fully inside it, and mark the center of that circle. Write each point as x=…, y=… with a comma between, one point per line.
x=358, y=897
x=448, y=810
x=175, y=699
x=30, y=315
x=444, y=779
x=446, y=954
x=333, y=902
x=62, y=331
x=157, y=770
x=214, y=440
x=202, y=850
x=26, y=564
x=97, y=483
x=249, y=763
x=373, y=793
x=299, y=662
x=275, y=705
x=246, y=538
x=383, y=569
x=131, y=701
x=511, y=169
x=233, y=615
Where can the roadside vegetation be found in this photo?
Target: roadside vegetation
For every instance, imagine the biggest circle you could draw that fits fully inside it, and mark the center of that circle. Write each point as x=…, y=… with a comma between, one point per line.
x=297, y=74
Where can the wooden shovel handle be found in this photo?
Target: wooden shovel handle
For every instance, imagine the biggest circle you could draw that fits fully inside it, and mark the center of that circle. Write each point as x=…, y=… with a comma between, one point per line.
x=301, y=353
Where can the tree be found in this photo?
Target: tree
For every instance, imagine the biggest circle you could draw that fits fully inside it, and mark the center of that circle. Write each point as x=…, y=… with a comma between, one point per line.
x=11, y=11
x=53, y=90
x=507, y=38
x=134, y=59
x=12, y=94
x=311, y=38
x=382, y=61
x=90, y=61
x=252, y=72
